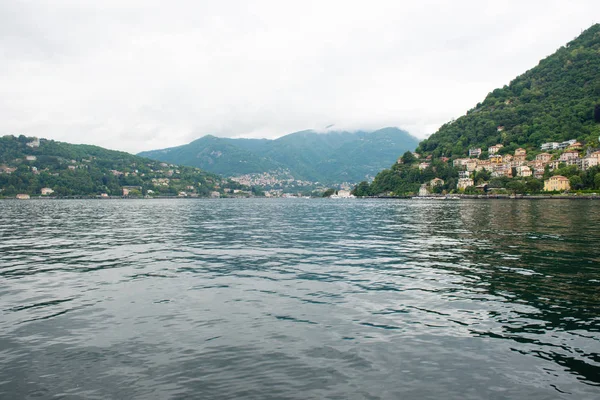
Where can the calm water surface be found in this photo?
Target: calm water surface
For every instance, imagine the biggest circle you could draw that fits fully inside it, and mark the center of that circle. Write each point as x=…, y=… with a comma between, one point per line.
x=297, y=299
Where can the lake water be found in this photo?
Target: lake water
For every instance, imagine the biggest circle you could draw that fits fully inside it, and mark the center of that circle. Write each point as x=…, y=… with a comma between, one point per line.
x=299, y=299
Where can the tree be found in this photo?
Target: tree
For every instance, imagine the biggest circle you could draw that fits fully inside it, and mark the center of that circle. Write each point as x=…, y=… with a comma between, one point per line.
x=597, y=181
x=362, y=189
x=576, y=182
x=408, y=158
x=516, y=186
x=597, y=113
x=328, y=192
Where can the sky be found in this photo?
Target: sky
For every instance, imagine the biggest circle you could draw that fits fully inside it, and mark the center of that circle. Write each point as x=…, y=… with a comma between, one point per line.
x=142, y=75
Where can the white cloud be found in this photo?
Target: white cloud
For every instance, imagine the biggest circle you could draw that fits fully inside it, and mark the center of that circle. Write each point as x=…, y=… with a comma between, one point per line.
x=138, y=75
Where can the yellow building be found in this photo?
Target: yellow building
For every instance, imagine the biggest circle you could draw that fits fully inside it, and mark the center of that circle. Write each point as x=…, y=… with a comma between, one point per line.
x=496, y=159
x=557, y=183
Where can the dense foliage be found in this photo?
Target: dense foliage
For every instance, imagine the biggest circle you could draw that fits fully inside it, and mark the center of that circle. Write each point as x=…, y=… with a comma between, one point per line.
x=83, y=170
x=555, y=101
x=332, y=157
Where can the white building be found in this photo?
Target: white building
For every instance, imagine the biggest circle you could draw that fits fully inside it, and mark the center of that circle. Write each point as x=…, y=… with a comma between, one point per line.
x=475, y=152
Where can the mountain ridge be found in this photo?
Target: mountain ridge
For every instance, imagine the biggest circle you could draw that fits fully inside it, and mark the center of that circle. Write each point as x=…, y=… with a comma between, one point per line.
x=334, y=156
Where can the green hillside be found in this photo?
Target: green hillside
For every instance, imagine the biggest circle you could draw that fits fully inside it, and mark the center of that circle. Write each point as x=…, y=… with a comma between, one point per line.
x=27, y=165
x=556, y=101
x=553, y=101
x=332, y=157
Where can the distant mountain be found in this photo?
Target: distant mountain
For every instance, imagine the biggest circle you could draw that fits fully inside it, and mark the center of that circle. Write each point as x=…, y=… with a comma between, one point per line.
x=331, y=157
x=28, y=165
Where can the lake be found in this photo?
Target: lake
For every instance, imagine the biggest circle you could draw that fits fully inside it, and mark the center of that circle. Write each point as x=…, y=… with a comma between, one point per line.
x=299, y=299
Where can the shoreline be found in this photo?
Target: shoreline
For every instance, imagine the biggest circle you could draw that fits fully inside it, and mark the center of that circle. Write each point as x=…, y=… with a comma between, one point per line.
x=417, y=198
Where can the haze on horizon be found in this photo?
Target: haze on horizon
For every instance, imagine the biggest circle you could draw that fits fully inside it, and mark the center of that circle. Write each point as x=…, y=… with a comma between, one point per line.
x=141, y=75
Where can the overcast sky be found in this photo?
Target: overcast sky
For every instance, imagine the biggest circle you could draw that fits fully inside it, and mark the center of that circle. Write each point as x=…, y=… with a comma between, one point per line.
x=141, y=75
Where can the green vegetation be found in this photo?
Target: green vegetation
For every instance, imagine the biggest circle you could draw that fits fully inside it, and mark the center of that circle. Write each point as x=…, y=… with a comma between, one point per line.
x=81, y=170
x=332, y=157
x=556, y=101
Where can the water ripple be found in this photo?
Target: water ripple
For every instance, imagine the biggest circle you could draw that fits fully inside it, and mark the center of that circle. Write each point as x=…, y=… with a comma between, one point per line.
x=288, y=299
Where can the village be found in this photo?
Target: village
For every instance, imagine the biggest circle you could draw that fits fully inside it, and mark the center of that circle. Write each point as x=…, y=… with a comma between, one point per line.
x=554, y=156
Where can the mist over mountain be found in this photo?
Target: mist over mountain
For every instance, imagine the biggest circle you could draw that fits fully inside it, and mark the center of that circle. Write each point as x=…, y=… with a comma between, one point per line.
x=328, y=157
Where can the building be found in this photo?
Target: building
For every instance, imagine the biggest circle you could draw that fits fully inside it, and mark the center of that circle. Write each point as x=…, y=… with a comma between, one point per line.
x=215, y=195
x=464, y=174
x=344, y=193
x=524, y=171
x=436, y=182
x=474, y=152
x=423, y=166
x=568, y=156
x=22, y=196
x=34, y=143
x=557, y=183
x=566, y=144
x=46, y=191
x=549, y=146
x=589, y=162
x=520, y=154
x=423, y=190
x=575, y=146
x=495, y=158
x=459, y=162
x=508, y=158
x=543, y=157
x=495, y=148
x=464, y=183
x=471, y=165
x=30, y=158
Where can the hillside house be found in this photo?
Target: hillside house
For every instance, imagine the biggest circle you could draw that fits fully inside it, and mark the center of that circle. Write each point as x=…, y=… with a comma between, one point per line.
x=464, y=183
x=22, y=196
x=557, y=183
x=543, y=157
x=46, y=191
x=423, y=166
x=549, y=146
x=436, y=182
x=494, y=149
x=524, y=171
x=474, y=152
x=34, y=143
x=568, y=156
x=520, y=154
x=495, y=158
x=471, y=165
x=459, y=162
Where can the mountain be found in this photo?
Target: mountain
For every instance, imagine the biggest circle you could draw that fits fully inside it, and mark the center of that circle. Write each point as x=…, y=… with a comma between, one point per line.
x=556, y=101
x=29, y=164
x=332, y=157
x=552, y=102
